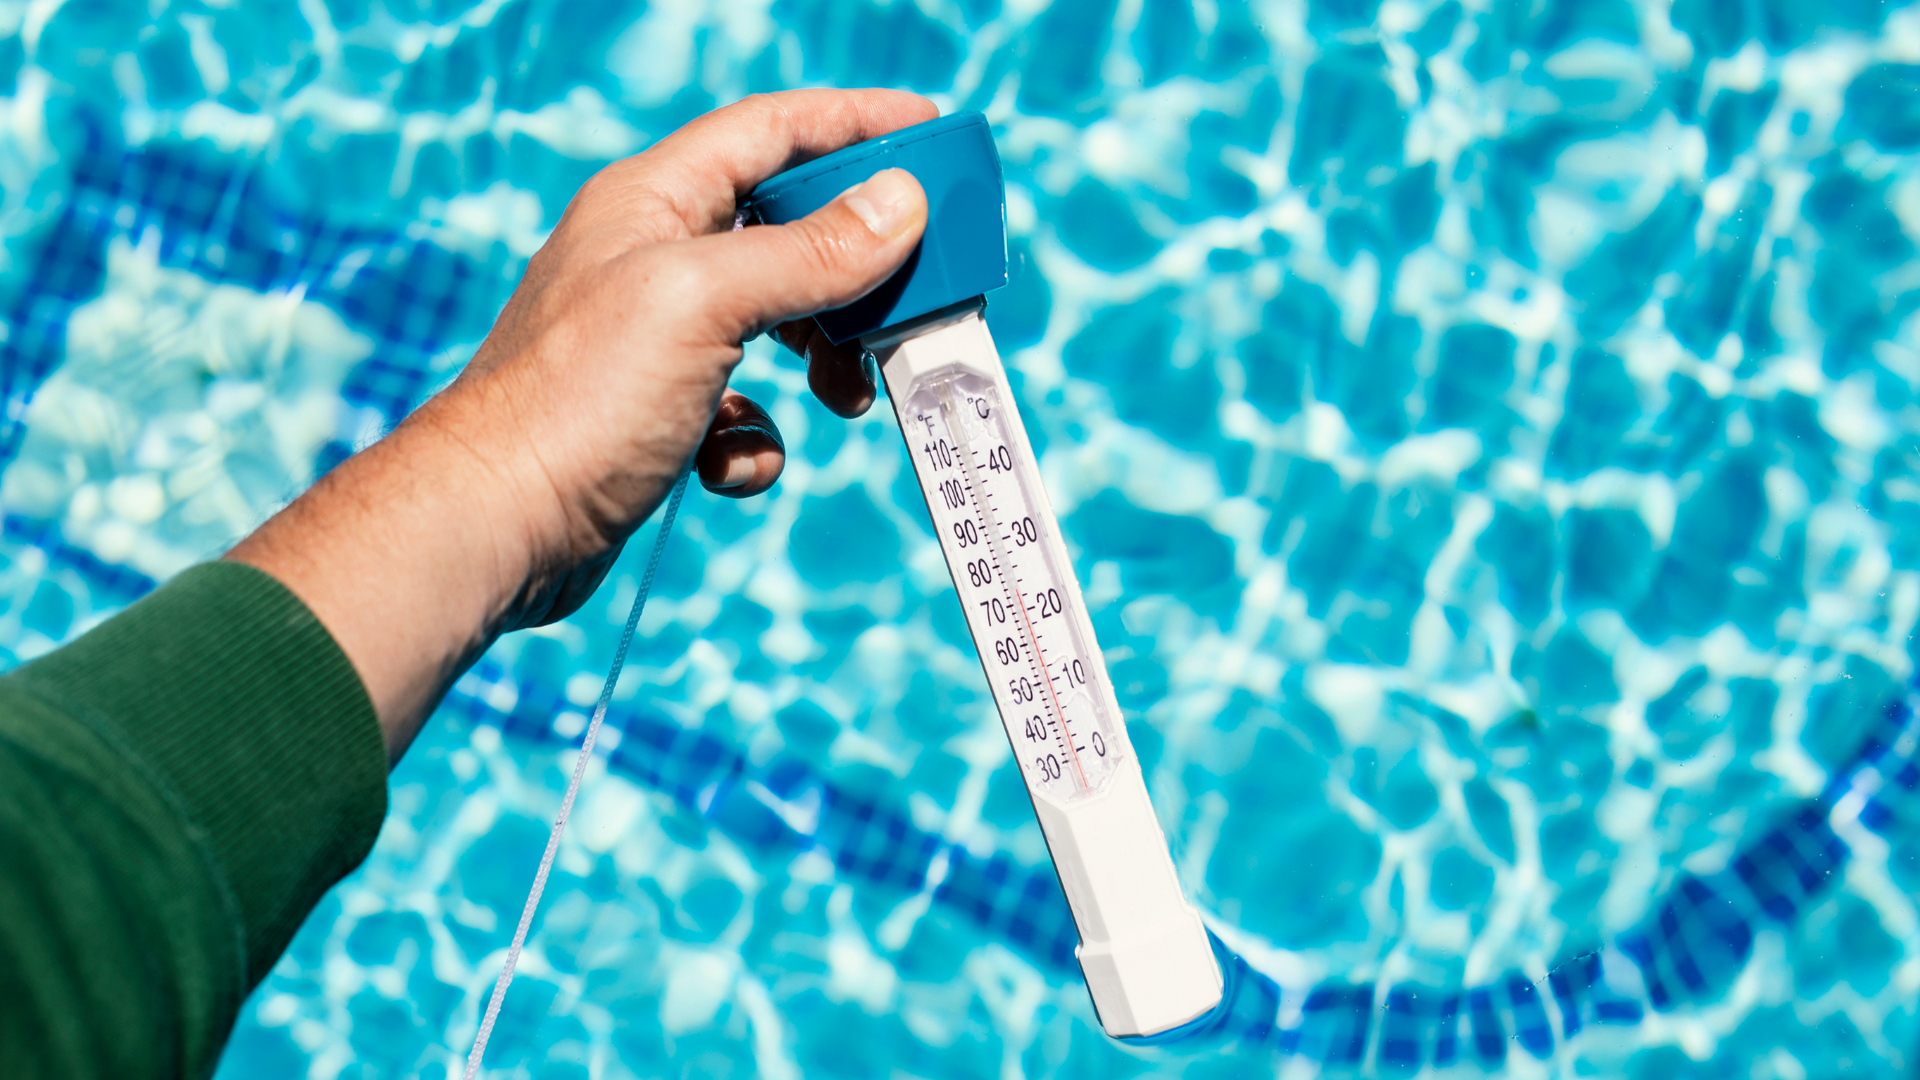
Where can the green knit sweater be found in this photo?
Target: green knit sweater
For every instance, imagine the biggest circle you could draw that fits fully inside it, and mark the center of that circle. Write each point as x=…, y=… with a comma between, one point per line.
x=178, y=788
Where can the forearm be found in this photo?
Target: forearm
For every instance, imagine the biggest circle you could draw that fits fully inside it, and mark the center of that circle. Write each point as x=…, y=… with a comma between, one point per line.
x=422, y=549
x=414, y=553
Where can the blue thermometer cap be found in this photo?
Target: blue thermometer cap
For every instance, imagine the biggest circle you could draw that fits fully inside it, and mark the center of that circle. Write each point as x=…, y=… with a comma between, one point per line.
x=964, y=251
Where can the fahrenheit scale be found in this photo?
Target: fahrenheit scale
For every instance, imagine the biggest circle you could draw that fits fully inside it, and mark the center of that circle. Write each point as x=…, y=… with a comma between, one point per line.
x=1144, y=950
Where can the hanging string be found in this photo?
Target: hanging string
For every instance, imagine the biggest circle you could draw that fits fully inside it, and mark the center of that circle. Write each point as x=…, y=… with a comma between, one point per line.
x=573, y=786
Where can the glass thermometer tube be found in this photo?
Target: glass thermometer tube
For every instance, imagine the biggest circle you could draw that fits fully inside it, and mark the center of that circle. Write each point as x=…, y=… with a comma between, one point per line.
x=1144, y=951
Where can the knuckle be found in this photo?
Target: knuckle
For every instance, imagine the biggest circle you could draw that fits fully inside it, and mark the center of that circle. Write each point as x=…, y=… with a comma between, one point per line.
x=820, y=247
x=766, y=107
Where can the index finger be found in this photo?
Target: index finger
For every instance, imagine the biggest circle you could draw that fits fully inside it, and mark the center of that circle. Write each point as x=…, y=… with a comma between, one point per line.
x=690, y=182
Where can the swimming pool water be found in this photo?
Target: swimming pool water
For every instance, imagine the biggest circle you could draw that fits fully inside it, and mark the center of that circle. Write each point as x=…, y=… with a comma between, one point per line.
x=1487, y=433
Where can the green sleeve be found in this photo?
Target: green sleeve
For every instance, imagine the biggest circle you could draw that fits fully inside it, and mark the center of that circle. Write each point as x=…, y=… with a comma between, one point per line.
x=178, y=788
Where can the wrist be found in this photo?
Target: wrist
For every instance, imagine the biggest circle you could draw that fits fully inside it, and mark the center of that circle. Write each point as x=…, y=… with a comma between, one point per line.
x=502, y=519
x=414, y=554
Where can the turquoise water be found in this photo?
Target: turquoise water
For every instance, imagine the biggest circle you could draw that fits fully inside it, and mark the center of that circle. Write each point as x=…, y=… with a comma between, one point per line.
x=1487, y=432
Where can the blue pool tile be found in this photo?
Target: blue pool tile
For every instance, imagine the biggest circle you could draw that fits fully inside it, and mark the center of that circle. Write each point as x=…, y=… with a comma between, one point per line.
x=444, y=79
x=1335, y=1022
x=1074, y=35
x=1570, y=673
x=1705, y=308
x=1300, y=333
x=1301, y=491
x=1863, y=238
x=874, y=44
x=1492, y=821
x=1880, y=105
x=1474, y=370
x=1438, y=30
x=1409, y=1026
x=1610, y=558
x=1157, y=553
x=1410, y=208
x=1165, y=39
x=1459, y=881
x=1130, y=349
x=1519, y=544
x=1100, y=226
x=1333, y=542
x=1407, y=798
x=1349, y=120
x=841, y=538
x=1613, y=282
x=1371, y=388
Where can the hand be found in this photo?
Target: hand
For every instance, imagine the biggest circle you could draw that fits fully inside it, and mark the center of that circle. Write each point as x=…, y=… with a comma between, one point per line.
x=502, y=502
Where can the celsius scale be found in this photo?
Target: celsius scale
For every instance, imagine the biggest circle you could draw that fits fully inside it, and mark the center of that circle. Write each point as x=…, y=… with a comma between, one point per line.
x=1148, y=961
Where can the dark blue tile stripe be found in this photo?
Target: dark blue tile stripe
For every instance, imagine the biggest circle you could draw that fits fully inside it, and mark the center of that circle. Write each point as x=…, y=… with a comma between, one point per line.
x=1689, y=948
x=786, y=804
x=211, y=214
x=119, y=583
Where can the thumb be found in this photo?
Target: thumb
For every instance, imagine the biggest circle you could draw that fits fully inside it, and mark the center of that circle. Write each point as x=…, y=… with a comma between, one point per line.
x=759, y=277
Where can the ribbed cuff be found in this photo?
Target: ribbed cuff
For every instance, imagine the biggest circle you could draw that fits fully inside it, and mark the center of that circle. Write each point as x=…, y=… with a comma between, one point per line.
x=230, y=692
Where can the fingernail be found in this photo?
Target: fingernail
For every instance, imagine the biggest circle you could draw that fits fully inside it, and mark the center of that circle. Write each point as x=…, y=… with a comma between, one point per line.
x=884, y=201
x=739, y=471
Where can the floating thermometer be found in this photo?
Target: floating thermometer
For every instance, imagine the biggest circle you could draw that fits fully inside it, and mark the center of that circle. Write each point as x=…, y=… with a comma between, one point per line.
x=1146, y=955
x=1142, y=946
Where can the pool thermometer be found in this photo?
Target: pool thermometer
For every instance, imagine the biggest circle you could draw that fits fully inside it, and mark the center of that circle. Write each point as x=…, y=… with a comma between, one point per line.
x=1146, y=955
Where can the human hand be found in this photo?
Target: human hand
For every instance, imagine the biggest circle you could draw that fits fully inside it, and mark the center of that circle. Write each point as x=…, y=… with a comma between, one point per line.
x=502, y=501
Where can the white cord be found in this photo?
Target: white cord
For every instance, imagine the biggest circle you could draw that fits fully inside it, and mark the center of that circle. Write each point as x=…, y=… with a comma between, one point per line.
x=573, y=786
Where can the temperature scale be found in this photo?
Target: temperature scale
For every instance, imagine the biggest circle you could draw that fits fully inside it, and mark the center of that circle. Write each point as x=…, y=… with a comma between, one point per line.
x=1147, y=958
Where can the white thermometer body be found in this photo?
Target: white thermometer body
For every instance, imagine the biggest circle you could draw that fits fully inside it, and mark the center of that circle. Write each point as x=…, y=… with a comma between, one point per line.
x=1146, y=955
